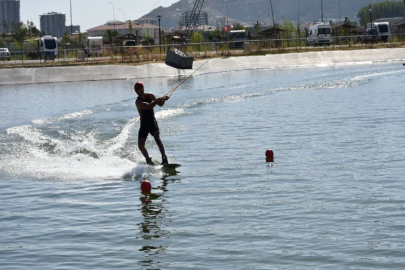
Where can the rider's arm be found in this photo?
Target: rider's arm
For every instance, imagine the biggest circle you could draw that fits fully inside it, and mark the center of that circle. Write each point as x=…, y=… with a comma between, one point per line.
x=162, y=100
x=145, y=105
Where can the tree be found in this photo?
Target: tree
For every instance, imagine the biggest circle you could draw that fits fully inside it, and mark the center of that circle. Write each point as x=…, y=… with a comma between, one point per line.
x=385, y=9
x=238, y=26
x=111, y=35
x=196, y=37
x=80, y=38
x=148, y=38
x=5, y=28
x=131, y=30
x=258, y=26
x=223, y=22
x=66, y=39
x=35, y=31
x=288, y=27
x=19, y=33
x=32, y=29
x=216, y=34
x=12, y=28
x=347, y=22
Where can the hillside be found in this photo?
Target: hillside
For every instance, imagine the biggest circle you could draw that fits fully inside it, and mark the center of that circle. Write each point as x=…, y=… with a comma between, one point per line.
x=246, y=11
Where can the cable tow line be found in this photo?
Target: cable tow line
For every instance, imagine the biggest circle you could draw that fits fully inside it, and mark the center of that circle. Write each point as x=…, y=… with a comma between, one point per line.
x=171, y=92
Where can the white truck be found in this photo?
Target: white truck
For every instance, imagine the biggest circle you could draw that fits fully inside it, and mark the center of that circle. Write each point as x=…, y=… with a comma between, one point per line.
x=319, y=34
x=94, y=46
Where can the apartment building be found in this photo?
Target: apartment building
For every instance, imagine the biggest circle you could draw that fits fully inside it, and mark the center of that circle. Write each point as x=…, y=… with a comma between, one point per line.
x=53, y=24
x=186, y=18
x=9, y=14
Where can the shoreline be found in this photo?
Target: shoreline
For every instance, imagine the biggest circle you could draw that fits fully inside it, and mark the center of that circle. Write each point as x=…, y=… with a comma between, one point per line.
x=21, y=76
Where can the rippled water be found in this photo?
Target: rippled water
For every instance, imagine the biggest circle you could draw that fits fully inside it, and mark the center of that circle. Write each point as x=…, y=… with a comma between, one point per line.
x=70, y=173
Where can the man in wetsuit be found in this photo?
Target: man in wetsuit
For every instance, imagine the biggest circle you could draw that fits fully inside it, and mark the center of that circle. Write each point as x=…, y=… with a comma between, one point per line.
x=145, y=104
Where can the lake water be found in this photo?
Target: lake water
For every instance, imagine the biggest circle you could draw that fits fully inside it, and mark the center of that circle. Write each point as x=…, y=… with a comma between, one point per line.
x=334, y=198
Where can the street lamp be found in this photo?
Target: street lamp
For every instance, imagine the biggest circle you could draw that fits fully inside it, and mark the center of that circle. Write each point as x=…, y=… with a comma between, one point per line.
x=124, y=14
x=371, y=20
x=160, y=42
x=113, y=14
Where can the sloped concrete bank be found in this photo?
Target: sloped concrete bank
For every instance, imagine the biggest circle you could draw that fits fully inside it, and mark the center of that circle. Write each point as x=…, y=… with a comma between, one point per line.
x=97, y=73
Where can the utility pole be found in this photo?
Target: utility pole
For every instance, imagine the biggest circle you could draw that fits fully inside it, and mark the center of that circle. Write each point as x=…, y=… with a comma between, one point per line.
x=71, y=23
x=227, y=23
x=339, y=12
x=272, y=14
x=321, y=10
x=160, y=41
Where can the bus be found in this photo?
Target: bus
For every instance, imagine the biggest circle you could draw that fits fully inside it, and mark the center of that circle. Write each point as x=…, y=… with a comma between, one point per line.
x=46, y=47
x=383, y=31
x=237, y=38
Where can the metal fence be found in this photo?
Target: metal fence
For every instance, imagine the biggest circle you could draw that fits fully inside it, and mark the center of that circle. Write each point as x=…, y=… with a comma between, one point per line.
x=199, y=50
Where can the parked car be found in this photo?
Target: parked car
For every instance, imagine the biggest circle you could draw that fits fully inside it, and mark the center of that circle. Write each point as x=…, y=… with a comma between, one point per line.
x=4, y=54
x=370, y=35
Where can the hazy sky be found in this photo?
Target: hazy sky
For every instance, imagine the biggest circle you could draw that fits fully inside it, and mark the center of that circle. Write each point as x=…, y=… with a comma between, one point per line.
x=89, y=13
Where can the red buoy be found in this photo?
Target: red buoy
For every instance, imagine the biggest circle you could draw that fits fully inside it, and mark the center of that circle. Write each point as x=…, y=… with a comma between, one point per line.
x=146, y=186
x=269, y=155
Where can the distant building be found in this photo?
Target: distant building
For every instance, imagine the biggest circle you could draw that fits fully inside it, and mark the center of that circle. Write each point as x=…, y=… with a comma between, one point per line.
x=9, y=14
x=53, y=24
x=74, y=28
x=148, y=20
x=144, y=30
x=201, y=20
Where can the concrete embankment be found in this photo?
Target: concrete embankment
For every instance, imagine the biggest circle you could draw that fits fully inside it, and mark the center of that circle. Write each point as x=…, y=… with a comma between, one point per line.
x=117, y=72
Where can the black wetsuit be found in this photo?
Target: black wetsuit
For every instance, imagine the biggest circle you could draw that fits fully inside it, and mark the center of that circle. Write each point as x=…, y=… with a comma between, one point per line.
x=148, y=120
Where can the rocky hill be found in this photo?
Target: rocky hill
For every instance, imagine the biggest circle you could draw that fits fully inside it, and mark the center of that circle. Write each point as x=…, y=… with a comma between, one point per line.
x=247, y=11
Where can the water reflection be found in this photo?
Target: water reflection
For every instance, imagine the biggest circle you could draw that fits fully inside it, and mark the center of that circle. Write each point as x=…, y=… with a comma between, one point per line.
x=153, y=228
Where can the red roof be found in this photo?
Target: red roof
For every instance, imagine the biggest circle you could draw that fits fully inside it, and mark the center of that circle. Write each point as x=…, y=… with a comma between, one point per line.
x=120, y=25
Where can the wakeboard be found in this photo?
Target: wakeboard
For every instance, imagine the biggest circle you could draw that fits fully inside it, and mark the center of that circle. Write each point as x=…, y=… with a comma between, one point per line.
x=168, y=166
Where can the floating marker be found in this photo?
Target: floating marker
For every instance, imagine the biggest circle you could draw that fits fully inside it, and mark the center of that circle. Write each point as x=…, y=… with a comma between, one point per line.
x=146, y=186
x=269, y=155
